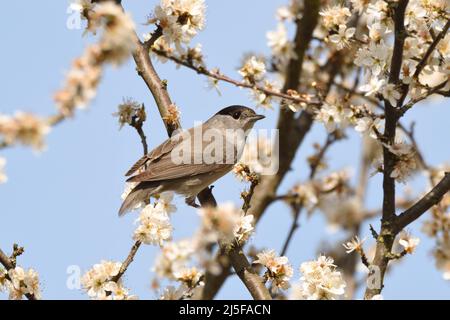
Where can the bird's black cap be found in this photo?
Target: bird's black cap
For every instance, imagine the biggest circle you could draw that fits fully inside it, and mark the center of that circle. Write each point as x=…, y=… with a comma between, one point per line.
x=235, y=108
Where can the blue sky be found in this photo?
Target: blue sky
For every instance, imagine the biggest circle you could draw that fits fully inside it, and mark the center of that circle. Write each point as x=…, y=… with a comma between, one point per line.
x=62, y=205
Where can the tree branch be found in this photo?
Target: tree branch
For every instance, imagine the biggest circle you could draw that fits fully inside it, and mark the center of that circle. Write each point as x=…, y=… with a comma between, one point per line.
x=387, y=234
x=420, y=207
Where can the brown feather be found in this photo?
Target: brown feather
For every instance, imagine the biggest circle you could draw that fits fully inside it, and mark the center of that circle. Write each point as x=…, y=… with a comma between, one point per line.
x=164, y=148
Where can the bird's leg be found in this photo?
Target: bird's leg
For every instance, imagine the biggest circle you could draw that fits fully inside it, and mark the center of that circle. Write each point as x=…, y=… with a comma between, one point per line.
x=190, y=201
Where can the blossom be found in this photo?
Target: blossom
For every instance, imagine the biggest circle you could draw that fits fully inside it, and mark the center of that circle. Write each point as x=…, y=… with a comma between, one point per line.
x=94, y=280
x=23, y=282
x=253, y=70
x=335, y=16
x=117, y=292
x=191, y=277
x=354, y=244
x=405, y=163
x=366, y=124
x=373, y=86
x=115, y=45
x=164, y=203
x=259, y=156
x=330, y=116
x=173, y=115
x=341, y=211
x=359, y=5
x=81, y=82
x=442, y=256
x=408, y=242
x=341, y=39
x=374, y=57
x=305, y=194
x=154, y=227
x=3, y=177
x=391, y=94
x=377, y=31
x=320, y=280
x=118, y=38
x=4, y=282
x=172, y=293
x=24, y=128
x=129, y=111
x=82, y=6
x=180, y=20
x=282, y=48
x=279, y=271
x=98, y=285
x=244, y=228
x=226, y=224
x=173, y=257
x=377, y=12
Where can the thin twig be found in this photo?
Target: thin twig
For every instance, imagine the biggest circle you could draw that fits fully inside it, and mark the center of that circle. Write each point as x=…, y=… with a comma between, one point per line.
x=430, y=50
x=298, y=208
x=221, y=77
x=127, y=261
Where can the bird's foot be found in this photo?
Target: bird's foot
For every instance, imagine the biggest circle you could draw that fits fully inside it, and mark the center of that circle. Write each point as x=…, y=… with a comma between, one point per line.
x=191, y=202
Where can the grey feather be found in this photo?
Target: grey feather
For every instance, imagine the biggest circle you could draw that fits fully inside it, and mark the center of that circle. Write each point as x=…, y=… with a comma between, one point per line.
x=140, y=193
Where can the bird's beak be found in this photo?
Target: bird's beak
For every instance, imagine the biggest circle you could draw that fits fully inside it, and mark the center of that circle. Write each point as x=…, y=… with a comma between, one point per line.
x=257, y=117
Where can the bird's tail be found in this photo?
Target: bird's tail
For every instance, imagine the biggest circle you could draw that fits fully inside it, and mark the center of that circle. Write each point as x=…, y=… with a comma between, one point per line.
x=140, y=193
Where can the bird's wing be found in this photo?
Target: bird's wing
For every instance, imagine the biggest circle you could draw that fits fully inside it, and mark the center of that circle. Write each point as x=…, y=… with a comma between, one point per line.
x=163, y=149
x=165, y=169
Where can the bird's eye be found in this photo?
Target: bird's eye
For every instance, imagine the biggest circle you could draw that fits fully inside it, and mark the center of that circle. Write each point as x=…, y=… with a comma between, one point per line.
x=236, y=115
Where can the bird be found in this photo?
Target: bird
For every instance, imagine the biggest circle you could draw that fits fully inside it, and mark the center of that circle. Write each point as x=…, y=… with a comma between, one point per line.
x=183, y=163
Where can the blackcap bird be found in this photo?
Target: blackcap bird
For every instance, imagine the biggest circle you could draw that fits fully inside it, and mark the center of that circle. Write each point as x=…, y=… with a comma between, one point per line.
x=191, y=160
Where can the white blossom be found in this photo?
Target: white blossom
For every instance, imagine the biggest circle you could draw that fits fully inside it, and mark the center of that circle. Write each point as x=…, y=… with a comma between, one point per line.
x=341, y=39
x=180, y=20
x=94, y=280
x=164, y=203
x=3, y=177
x=154, y=226
x=335, y=16
x=332, y=115
x=173, y=293
x=24, y=128
x=23, y=282
x=282, y=48
x=253, y=70
x=279, y=271
x=391, y=94
x=174, y=256
x=354, y=244
x=320, y=280
x=365, y=125
x=373, y=86
x=225, y=223
x=405, y=163
x=375, y=57
x=191, y=277
x=408, y=242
